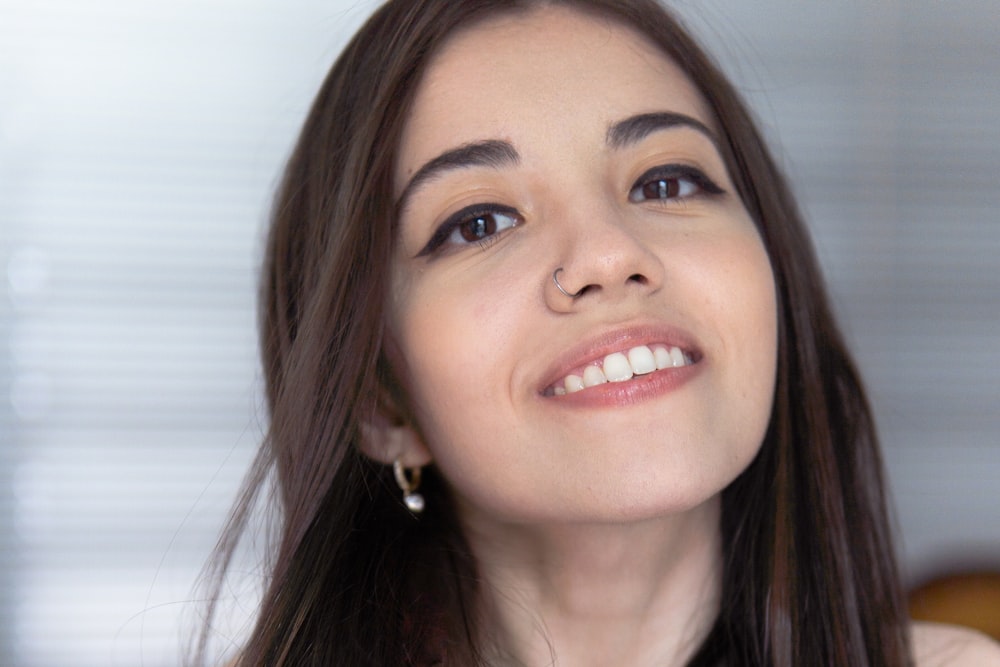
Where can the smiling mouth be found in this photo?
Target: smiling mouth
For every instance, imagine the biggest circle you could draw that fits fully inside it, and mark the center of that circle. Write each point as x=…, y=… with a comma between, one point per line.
x=622, y=367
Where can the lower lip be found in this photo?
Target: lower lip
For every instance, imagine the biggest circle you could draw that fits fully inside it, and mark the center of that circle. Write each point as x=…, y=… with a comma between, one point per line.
x=630, y=392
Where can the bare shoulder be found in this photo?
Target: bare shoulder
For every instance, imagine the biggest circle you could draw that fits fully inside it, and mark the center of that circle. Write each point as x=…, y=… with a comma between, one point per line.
x=937, y=645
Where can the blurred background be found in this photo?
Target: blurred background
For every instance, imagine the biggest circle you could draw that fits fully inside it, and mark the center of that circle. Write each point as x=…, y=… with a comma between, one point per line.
x=139, y=145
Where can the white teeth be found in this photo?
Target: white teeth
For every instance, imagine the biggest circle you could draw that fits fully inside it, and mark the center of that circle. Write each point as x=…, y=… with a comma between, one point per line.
x=573, y=383
x=662, y=356
x=617, y=367
x=593, y=376
x=641, y=359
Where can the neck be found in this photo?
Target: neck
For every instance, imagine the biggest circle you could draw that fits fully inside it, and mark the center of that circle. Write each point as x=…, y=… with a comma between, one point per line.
x=637, y=593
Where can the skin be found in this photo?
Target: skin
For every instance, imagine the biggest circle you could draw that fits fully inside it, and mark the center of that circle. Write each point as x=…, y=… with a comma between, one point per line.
x=594, y=516
x=938, y=645
x=481, y=328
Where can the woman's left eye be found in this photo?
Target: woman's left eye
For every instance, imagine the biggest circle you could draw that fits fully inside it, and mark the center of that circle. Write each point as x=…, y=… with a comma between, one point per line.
x=672, y=182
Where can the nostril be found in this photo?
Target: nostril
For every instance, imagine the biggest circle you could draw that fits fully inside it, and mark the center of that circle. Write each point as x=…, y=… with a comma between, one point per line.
x=638, y=278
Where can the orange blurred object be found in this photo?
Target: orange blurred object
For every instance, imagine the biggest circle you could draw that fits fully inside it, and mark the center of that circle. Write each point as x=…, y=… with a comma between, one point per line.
x=971, y=599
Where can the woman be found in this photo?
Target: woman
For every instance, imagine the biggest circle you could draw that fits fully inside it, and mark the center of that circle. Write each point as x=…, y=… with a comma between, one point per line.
x=532, y=264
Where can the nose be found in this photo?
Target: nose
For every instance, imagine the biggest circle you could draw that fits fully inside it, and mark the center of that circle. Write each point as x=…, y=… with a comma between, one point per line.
x=604, y=259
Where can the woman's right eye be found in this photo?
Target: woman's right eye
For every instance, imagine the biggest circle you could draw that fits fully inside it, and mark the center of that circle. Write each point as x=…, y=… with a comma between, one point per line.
x=479, y=223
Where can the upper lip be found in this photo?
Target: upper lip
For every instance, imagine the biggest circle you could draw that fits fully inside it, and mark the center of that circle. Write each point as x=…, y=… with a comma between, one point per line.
x=618, y=339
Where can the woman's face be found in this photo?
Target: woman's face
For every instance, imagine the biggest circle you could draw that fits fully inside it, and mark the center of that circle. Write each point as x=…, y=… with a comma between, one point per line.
x=556, y=140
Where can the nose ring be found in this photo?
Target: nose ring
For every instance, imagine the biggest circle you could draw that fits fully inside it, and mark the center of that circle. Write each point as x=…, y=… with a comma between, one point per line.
x=555, y=279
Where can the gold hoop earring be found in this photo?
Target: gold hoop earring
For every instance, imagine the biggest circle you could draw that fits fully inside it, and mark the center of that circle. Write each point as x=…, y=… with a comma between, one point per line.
x=409, y=482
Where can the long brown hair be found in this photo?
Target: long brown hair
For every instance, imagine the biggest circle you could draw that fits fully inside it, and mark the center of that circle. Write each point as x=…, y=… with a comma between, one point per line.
x=810, y=576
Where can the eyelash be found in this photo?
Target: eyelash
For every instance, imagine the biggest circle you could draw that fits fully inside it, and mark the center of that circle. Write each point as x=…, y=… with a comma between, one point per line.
x=668, y=180
x=470, y=215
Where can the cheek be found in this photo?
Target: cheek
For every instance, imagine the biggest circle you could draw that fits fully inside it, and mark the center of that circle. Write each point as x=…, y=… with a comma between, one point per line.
x=733, y=302
x=752, y=304
x=739, y=303
x=456, y=339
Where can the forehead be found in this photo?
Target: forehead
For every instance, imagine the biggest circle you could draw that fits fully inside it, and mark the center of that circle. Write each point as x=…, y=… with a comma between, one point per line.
x=550, y=73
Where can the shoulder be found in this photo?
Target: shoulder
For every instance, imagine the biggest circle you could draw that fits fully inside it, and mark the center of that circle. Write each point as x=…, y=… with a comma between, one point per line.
x=937, y=645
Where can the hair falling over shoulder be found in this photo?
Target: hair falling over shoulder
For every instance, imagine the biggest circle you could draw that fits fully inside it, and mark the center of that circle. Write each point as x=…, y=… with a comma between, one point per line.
x=810, y=576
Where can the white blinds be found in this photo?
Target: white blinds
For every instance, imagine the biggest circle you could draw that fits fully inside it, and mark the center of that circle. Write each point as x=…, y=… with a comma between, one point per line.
x=139, y=142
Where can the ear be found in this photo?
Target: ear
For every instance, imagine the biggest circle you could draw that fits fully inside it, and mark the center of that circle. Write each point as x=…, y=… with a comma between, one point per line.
x=390, y=433
x=386, y=439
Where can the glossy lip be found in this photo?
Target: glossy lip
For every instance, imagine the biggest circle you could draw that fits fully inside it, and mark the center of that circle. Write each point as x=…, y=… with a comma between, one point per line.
x=630, y=392
x=621, y=340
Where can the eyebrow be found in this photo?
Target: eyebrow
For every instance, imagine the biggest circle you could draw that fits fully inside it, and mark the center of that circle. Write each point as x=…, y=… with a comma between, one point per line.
x=636, y=128
x=492, y=153
x=496, y=153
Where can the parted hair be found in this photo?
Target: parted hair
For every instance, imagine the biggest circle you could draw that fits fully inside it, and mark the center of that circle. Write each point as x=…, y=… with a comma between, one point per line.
x=809, y=571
